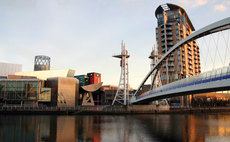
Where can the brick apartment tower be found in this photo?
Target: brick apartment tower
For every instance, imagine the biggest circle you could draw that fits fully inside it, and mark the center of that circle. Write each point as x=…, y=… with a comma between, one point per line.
x=173, y=25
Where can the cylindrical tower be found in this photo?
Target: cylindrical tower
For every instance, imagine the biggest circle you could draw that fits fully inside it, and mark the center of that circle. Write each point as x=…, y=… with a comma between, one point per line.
x=41, y=62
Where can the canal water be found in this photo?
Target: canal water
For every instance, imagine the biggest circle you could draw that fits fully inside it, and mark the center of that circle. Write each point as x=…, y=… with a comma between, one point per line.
x=115, y=128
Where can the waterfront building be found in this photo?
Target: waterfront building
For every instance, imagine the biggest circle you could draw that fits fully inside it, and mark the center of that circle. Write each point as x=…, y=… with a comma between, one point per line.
x=64, y=91
x=94, y=77
x=30, y=91
x=23, y=92
x=109, y=92
x=9, y=69
x=173, y=25
x=93, y=82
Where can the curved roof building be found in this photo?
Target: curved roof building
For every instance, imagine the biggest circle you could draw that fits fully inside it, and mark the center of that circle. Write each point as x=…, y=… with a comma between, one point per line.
x=173, y=25
x=170, y=8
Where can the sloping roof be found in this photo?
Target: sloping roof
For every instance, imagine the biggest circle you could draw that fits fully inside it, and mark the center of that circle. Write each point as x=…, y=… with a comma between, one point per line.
x=43, y=75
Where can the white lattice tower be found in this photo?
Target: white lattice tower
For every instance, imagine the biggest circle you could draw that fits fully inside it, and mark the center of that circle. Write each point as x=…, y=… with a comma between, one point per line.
x=122, y=94
x=154, y=59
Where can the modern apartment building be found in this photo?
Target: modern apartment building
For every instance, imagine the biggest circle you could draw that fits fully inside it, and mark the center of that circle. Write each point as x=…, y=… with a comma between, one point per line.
x=173, y=26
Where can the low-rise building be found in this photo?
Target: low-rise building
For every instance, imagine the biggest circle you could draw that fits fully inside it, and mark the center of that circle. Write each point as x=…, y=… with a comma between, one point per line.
x=8, y=69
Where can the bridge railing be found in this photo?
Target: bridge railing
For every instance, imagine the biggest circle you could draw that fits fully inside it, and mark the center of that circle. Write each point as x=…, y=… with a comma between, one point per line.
x=210, y=76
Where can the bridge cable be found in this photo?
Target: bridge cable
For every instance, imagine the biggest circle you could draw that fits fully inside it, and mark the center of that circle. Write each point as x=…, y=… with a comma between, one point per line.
x=207, y=45
x=217, y=51
x=226, y=44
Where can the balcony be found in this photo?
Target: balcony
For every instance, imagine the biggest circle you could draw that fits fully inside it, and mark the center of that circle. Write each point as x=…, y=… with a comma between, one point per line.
x=171, y=65
x=169, y=33
x=169, y=24
x=171, y=59
x=170, y=43
x=170, y=38
x=168, y=28
x=171, y=70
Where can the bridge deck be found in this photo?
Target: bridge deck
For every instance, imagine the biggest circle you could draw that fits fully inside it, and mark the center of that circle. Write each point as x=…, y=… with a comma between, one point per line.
x=215, y=80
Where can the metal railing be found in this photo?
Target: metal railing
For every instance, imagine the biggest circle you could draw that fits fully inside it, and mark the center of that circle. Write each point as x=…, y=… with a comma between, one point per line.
x=211, y=76
x=105, y=108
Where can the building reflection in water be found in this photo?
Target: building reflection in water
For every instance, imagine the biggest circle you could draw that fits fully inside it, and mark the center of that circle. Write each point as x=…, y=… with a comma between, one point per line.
x=125, y=128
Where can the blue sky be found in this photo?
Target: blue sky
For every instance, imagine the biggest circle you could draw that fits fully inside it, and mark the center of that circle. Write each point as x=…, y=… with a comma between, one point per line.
x=84, y=34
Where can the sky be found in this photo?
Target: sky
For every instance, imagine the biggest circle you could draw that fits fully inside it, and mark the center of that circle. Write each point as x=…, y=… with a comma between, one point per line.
x=84, y=34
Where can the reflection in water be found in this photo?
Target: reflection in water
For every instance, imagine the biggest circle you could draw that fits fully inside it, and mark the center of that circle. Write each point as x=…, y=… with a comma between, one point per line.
x=120, y=128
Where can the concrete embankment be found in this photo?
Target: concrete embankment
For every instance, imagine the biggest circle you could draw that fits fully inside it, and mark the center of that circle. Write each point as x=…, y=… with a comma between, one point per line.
x=116, y=110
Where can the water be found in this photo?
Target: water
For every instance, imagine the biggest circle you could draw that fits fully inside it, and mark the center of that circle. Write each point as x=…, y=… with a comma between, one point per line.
x=120, y=128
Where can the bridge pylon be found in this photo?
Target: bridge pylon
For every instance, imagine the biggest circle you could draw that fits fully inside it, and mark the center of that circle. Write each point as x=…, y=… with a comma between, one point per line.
x=155, y=77
x=122, y=94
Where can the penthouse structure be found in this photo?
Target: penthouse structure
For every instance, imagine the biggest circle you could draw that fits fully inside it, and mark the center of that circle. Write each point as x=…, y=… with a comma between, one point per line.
x=173, y=25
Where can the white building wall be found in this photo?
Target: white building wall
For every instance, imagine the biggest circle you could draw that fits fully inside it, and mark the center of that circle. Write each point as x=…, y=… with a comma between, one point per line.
x=9, y=68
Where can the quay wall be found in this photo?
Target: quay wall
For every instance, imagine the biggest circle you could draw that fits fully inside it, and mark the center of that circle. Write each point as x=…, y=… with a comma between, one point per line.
x=116, y=110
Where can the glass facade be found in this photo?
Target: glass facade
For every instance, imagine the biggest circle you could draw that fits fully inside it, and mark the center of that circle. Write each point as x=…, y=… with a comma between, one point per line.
x=15, y=91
